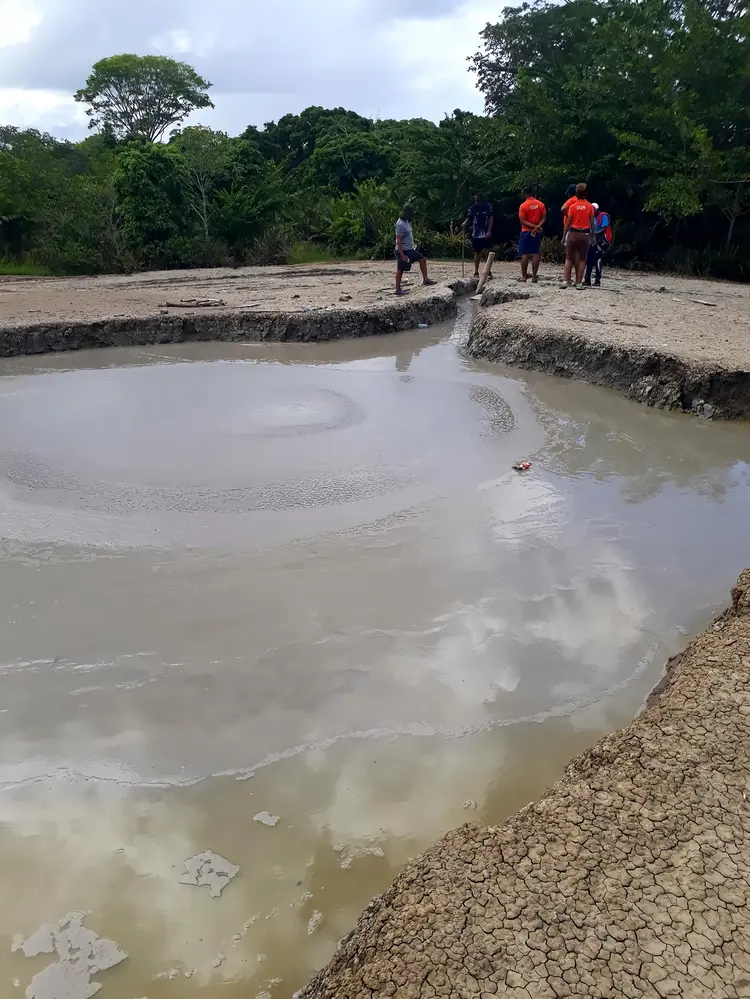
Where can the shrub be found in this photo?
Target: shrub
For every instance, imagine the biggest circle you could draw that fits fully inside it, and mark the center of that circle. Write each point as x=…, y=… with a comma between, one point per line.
x=553, y=250
x=272, y=247
x=445, y=246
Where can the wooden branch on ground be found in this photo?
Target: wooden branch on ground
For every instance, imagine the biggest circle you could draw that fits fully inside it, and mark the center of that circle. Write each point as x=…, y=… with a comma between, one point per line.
x=485, y=274
x=194, y=303
x=609, y=322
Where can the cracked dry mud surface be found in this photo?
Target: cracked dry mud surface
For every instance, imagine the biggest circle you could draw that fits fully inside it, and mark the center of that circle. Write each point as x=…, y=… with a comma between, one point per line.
x=630, y=877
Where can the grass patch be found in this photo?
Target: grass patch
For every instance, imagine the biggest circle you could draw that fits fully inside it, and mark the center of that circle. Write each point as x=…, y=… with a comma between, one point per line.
x=21, y=268
x=309, y=253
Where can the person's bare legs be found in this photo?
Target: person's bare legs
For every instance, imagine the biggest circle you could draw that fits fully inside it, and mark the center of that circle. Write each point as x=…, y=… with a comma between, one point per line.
x=423, y=268
x=580, y=269
x=399, y=275
x=536, y=259
x=524, y=266
x=567, y=271
x=477, y=262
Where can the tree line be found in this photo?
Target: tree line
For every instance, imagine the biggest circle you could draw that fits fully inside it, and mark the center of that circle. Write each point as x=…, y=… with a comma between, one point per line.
x=648, y=101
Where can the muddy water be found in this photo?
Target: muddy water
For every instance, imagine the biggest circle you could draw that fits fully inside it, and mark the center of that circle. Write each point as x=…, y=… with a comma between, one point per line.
x=304, y=581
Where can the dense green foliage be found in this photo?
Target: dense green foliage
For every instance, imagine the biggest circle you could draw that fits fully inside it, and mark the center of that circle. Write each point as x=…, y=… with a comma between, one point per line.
x=140, y=97
x=646, y=100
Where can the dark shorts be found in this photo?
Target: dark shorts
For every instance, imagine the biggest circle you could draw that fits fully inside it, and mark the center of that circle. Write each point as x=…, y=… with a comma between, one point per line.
x=577, y=245
x=414, y=257
x=529, y=244
x=485, y=243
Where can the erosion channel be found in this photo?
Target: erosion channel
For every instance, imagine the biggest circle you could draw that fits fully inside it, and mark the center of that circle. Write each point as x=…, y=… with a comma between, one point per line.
x=242, y=582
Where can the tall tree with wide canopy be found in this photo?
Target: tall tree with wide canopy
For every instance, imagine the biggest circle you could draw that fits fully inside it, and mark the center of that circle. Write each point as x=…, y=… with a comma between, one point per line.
x=140, y=97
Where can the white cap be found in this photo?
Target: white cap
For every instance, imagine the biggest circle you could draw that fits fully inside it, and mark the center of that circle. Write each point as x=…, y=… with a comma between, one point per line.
x=594, y=204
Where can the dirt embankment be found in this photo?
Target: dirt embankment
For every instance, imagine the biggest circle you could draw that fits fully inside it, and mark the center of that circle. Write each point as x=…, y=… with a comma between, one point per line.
x=319, y=302
x=667, y=342
x=630, y=877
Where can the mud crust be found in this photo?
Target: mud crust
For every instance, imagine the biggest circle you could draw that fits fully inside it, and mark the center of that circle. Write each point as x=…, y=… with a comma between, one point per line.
x=630, y=877
x=660, y=376
x=236, y=324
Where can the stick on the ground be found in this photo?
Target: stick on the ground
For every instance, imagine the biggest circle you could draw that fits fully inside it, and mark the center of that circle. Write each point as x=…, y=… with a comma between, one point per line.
x=194, y=303
x=485, y=272
x=609, y=322
x=700, y=301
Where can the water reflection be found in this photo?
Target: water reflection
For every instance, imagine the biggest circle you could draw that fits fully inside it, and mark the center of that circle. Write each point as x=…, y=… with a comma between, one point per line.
x=350, y=817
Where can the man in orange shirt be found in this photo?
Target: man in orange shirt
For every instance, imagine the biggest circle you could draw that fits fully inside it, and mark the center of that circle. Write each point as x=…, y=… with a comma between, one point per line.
x=579, y=232
x=532, y=215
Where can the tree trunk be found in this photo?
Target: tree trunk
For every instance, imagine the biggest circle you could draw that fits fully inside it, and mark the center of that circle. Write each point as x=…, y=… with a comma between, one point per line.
x=205, y=213
x=735, y=212
x=730, y=232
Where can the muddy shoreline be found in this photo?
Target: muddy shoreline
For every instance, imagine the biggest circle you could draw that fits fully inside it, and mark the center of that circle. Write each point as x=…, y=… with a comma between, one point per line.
x=233, y=325
x=664, y=347
x=655, y=378
x=274, y=304
x=627, y=878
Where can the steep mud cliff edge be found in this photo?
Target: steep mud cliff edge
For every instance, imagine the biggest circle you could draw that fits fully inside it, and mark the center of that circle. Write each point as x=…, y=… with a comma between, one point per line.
x=319, y=302
x=670, y=343
x=630, y=877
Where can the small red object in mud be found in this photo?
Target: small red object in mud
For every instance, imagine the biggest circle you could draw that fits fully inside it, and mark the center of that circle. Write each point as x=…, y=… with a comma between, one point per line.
x=522, y=466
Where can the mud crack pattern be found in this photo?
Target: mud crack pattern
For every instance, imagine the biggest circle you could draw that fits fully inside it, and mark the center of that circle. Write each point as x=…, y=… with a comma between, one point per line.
x=630, y=877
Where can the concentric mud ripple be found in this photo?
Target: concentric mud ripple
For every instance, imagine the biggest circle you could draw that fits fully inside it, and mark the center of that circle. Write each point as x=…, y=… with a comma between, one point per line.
x=236, y=438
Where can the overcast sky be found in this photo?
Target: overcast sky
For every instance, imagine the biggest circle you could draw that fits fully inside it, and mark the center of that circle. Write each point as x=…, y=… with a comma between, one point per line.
x=381, y=58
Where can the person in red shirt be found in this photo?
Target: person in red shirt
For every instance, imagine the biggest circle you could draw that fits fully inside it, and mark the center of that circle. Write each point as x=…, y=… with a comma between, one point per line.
x=532, y=215
x=579, y=234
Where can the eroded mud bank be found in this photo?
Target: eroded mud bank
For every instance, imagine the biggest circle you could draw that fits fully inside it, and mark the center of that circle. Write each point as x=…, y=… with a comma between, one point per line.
x=628, y=878
x=665, y=347
x=653, y=377
x=227, y=321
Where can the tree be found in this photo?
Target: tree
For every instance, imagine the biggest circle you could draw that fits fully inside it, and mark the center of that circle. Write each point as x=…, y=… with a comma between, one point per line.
x=140, y=97
x=150, y=188
x=206, y=155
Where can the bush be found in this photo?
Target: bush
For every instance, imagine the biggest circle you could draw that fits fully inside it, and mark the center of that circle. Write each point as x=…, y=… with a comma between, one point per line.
x=272, y=247
x=723, y=262
x=444, y=246
x=553, y=250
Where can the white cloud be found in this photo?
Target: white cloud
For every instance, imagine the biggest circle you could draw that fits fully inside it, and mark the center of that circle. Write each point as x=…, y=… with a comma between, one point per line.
x=363, y=54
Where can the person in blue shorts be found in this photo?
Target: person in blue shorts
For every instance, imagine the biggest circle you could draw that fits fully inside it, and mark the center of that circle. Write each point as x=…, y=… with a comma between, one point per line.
x=532, y=215
x=480, y=220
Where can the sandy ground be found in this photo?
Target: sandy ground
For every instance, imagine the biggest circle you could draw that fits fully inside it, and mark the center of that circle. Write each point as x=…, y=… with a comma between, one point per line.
x=629, y=878
x=651, y=311
x=701, y=321
x=263, y=289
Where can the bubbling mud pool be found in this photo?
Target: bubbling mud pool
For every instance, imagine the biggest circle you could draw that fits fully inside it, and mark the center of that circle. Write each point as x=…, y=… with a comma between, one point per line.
x=242, y=583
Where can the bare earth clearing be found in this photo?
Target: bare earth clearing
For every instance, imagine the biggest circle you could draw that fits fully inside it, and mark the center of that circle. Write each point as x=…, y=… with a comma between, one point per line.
x=266, y=289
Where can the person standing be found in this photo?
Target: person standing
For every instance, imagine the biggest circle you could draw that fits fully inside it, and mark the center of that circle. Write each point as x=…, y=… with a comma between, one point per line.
x=406, y=252
x=602, y=242
x=480, y=220
x=532, y=215
x=579, y=232
x=570, y=197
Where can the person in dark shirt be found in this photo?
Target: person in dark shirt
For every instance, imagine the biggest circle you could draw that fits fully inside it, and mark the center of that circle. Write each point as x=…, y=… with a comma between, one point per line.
x=480, y=221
